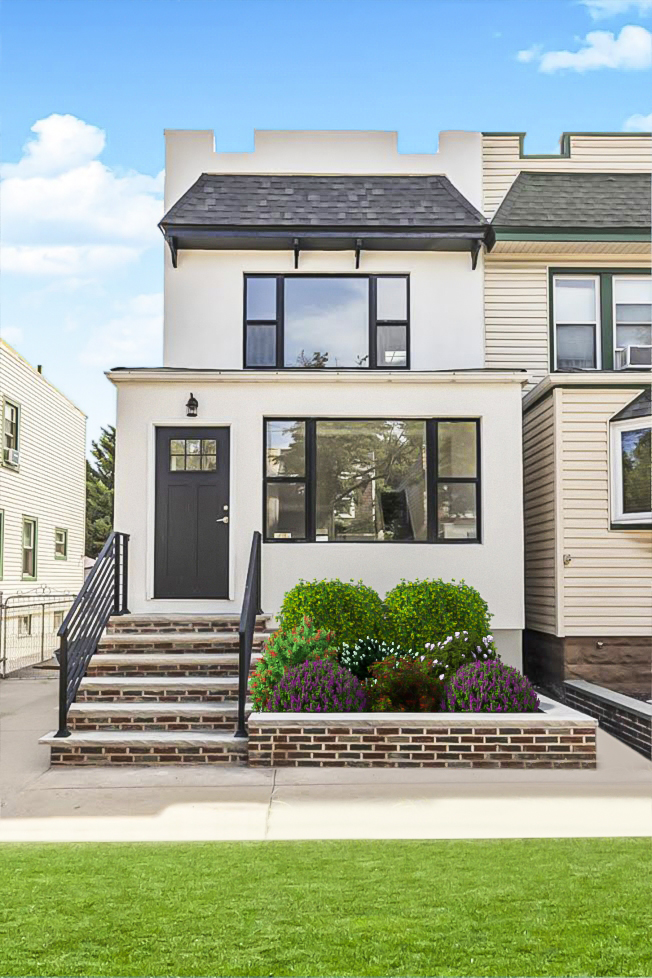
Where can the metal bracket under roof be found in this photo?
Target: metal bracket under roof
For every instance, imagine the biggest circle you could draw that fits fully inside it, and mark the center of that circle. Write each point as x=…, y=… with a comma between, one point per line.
x=296, y=252
x=475, y=251
x=172, y=243
x=358, y=249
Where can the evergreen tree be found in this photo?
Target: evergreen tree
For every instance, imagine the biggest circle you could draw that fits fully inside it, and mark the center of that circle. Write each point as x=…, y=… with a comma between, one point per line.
x=99, y=492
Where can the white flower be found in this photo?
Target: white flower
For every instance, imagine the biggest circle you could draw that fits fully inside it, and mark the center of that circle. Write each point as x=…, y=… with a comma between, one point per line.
x=442, y=675
x=457, y=634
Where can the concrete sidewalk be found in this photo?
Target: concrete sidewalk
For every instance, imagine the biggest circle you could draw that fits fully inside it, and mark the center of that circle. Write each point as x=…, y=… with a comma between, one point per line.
x=216, y=803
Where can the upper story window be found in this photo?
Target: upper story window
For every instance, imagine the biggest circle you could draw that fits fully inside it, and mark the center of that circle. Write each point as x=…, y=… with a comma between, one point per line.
x=10, y=432
x=372, y=480
x=327, y=321
x=633, y=321
x=577, y=314
x=601, y=320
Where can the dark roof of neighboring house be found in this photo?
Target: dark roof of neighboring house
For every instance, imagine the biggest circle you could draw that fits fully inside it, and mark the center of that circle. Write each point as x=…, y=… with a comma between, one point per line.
x=600, y=201
x=225, y=200
x=640, y=407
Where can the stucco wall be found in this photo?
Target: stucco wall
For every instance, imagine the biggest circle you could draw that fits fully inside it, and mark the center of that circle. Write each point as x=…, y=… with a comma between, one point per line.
x=204, y=303
x=495, y=566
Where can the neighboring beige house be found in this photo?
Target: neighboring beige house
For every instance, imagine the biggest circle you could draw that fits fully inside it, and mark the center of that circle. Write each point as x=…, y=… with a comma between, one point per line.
x=42, y=507
x=568, y=295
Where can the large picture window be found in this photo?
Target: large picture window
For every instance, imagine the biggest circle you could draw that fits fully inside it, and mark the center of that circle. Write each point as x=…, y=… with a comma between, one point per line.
x=336, y=322
x=362, y=481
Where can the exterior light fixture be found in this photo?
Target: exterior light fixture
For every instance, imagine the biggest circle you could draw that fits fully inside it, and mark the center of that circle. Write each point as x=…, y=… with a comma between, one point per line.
x=191, y=406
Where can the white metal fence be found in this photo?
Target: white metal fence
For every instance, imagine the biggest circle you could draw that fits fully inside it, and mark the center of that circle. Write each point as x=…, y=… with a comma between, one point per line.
x=29, y=624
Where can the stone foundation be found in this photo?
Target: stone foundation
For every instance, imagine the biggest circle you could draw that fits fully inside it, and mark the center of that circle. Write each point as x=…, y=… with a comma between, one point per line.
x=557, y=737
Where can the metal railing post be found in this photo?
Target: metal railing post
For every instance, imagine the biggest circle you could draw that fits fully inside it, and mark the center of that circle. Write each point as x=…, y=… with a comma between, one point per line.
x=125, y=573
x=63, y=689
x=116, y=575
x=259, y=587
x=241, y=730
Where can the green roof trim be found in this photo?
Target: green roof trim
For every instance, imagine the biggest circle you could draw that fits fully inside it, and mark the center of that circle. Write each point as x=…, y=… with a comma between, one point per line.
x=525, y=234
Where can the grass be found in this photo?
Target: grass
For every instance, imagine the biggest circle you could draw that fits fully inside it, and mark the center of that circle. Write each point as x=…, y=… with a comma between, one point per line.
x=476, y=908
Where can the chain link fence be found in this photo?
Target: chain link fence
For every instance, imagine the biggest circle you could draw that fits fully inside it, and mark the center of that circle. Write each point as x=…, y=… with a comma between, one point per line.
x=29, y=624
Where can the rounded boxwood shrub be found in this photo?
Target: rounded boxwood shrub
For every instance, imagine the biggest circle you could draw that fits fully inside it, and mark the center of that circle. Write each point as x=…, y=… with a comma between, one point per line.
x=318, y=686
x=351, y=610
x=286, y=648
x=428, y=611
x=359, y=657
x=489, y=687
x=404, y=684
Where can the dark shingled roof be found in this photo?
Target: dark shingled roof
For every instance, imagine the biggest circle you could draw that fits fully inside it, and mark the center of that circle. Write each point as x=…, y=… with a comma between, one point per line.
x=640, y=407
x=225, y=200
x=601, y=201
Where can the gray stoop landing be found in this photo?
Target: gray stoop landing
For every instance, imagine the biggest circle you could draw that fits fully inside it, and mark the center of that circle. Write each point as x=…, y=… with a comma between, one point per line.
x=159, y=690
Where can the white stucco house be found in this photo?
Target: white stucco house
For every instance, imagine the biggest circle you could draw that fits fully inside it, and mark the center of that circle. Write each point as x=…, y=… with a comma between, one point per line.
x=324, y=380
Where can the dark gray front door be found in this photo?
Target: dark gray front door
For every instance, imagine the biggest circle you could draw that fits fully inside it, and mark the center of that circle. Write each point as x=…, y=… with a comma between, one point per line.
x=192, y=510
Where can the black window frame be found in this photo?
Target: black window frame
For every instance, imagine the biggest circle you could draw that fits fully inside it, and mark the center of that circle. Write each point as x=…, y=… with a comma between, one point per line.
x=433, y=481
x=279, y=322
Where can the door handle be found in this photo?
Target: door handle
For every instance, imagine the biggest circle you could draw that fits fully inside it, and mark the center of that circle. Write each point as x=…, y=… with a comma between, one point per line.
x=225, y=519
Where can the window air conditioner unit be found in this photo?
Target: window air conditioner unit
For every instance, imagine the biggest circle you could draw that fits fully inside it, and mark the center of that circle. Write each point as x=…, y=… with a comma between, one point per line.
x=639, y=357
x=12, y=456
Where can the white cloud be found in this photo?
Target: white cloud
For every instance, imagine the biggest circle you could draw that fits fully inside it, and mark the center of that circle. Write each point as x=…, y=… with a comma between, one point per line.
x=132, y=337
x=638, y=123
x=67, y=213
x=601, y=9
x=631, y=50
x=12, y=334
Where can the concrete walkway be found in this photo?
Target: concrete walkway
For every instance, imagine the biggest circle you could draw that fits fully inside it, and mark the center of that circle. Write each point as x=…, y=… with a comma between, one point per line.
x=215, y=803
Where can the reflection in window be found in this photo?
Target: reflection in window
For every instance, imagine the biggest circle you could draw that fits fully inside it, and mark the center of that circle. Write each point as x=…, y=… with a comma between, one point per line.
x=371, y=480
x=326, y=322
x=636, y=477
x=633, y=320
x=193, y=454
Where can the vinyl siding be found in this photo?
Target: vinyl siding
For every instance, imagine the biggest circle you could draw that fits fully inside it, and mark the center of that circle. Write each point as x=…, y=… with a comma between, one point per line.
x=602, y=153
x=539, y=503
x=607, y=587
x=517, y=330
x=50, y=484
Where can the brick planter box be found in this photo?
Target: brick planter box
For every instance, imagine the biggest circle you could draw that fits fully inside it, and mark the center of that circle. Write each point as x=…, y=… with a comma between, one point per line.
x=556, y=737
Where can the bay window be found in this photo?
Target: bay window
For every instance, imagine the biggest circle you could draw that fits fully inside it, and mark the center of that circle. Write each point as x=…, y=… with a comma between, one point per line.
x=631, y=474
x=372, y=480
x=326, y=321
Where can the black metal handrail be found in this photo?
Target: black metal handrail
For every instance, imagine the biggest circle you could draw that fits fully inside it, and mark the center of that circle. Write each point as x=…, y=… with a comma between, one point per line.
x=103, y=593
x=250, y=610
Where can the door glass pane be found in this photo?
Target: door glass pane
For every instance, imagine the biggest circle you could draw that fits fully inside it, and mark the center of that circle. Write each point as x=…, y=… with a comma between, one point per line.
x=457, y=449
x=286, y=448
x=391, y=299
x=286, y=510
x=326, y=322
x=261, y=298
x=177, y=463
x=209, y=463
x=575, y=300
x=209, y=447
x=193, y=463
x=177, y=446
x=261, y=345
x=371, y=480
x=193, y=446
x=575, y=347
x=457, y=512
x=637, y=475
x=392, y=346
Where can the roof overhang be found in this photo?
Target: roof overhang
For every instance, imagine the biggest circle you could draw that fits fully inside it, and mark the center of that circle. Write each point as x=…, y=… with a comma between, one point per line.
x=206, y=238
x=572, y=234
x=598, y=380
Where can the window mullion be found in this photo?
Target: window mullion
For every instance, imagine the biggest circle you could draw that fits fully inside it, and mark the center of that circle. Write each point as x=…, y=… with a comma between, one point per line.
x=373, y=331
x=606, y=331
x=431, y=479
x=311, y=480
x=280, y=322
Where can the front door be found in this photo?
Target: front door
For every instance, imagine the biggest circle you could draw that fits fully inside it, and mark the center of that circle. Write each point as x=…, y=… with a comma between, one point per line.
x=192, y=513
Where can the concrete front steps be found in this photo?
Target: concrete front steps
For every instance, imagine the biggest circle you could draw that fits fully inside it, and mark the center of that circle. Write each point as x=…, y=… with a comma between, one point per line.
x=159, y=689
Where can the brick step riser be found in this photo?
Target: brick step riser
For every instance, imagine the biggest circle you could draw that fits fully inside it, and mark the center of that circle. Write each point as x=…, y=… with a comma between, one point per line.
x=201, y=648
x=128, y=671
x=146, y=627
x=110, y=755
x=169, y=696
x=209, y=724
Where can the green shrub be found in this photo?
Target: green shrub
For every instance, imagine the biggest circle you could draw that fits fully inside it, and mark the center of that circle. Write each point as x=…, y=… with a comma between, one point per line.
x=404, y=684
x=359, y=657
x=457, y=650
x=286, y=648
x=418, y=612
x=351, y=611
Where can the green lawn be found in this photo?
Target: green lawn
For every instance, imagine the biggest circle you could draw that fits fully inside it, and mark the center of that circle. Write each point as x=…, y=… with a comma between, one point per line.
x=515, y=907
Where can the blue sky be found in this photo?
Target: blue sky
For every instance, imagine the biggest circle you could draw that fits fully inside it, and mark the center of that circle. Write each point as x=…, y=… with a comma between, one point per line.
x=101, y=79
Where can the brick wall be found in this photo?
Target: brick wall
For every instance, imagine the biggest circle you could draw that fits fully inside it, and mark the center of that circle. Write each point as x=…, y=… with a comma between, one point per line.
x=628, y=719
x=426, y=740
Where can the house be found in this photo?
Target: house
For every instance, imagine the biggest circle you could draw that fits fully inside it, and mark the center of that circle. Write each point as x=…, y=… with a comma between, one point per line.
x=568, y=296
x=42, y=509
x=324, y=380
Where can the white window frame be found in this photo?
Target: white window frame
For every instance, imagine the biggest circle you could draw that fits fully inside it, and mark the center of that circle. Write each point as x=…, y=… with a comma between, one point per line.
x=614, y=320
x=616, y=471
x=598, y=315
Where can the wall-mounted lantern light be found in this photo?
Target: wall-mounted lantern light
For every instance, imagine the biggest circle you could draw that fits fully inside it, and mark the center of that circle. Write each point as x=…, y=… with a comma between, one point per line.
x=191, y=406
